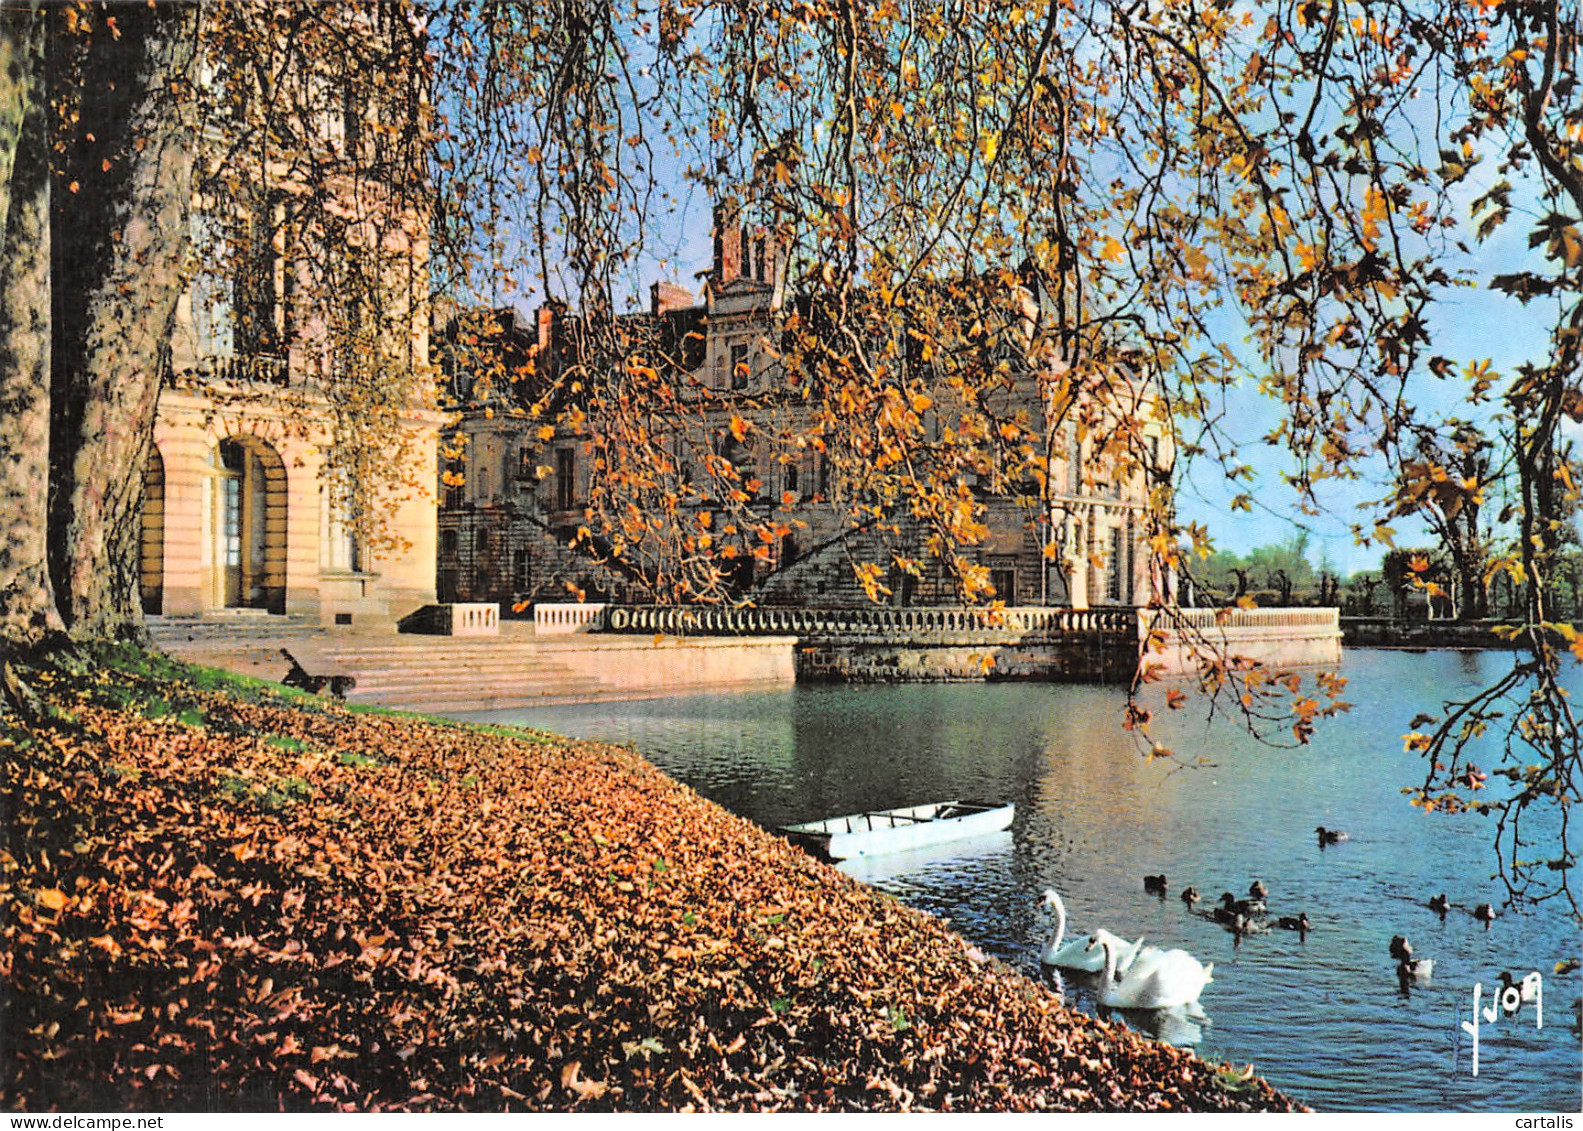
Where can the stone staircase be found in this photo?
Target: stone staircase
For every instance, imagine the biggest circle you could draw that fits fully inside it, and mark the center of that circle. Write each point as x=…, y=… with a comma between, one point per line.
x=431, y=674
x=439, y=674
x=453, y=675
x=229, y=628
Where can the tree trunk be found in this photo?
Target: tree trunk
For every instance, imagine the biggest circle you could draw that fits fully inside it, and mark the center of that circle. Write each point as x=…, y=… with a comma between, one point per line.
x=1473, y=602
x=120, y=242
x=27, y=604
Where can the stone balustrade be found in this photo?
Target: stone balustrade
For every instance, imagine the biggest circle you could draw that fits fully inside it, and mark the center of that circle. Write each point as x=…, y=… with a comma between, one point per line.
x=880, y=624
x=566, y=618
x=1280, y=621
x=239, y=368
x=474, y=619
x=1025, y=642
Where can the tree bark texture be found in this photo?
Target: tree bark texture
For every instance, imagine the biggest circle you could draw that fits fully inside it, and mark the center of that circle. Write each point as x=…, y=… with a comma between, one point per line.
x=27, y=603
x=120, y=244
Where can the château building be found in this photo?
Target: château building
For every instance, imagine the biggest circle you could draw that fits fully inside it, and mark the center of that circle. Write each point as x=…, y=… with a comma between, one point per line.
x=517, y=491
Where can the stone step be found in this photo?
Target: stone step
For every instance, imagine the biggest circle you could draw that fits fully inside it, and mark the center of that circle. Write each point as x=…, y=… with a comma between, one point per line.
x=504, y=683
x=442, y=704
x=479, y=695
x=430, y=670
x=371, y=658
x=240, y=631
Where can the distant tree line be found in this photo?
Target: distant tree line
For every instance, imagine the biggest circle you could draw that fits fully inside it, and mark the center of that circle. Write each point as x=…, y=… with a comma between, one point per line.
x=1411, y=583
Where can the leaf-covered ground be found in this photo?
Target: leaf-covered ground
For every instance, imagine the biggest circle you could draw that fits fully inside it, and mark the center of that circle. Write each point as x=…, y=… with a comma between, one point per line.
x=212, y=896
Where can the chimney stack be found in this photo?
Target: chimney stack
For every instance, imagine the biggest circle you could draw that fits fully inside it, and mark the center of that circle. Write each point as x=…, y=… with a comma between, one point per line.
x=665, y=297
x=728, y=244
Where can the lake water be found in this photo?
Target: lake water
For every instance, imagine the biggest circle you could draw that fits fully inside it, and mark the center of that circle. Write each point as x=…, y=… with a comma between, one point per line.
x=1321, y=1017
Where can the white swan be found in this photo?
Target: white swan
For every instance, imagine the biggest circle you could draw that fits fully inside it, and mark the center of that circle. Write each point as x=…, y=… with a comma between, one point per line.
x=1157, y=979
x=1076, y=954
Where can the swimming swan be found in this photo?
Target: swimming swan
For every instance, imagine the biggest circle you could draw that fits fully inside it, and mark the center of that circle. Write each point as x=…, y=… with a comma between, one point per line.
x=1157, y=979
x=1075, y=955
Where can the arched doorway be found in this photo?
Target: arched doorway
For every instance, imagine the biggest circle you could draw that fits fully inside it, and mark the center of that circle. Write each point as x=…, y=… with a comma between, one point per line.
x=151, y=538
x=244, y=519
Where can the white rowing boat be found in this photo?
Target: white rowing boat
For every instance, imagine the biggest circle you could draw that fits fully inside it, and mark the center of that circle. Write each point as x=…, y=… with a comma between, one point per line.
x=895, y=830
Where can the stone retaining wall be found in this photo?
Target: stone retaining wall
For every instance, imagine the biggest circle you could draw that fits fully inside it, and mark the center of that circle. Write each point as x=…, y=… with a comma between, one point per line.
x=1077, y=660
x=1387, y=632
x=640, y=668
x=1276, y=637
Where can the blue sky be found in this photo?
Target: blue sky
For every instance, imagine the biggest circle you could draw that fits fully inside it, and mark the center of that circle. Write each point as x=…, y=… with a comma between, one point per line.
x=1469, y=324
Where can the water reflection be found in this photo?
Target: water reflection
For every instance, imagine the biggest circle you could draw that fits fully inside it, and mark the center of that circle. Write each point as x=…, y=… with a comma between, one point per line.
x=1181, y=1025
x=1320, y=1014
x=990, y=852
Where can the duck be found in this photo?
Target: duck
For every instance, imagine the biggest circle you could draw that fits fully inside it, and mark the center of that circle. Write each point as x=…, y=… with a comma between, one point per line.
x=1527, y=990
x=1190, y=896
x=1299, y=923
x=1401, y=949
x=1410, y=971
x=1329, y=836
x=1075, y=955
x=1245, y=924
x=1154, y=885
x=1157, y=979
x=1439, y=904
x=1231, y=909
x=1257, y=891
x=1485, y=914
